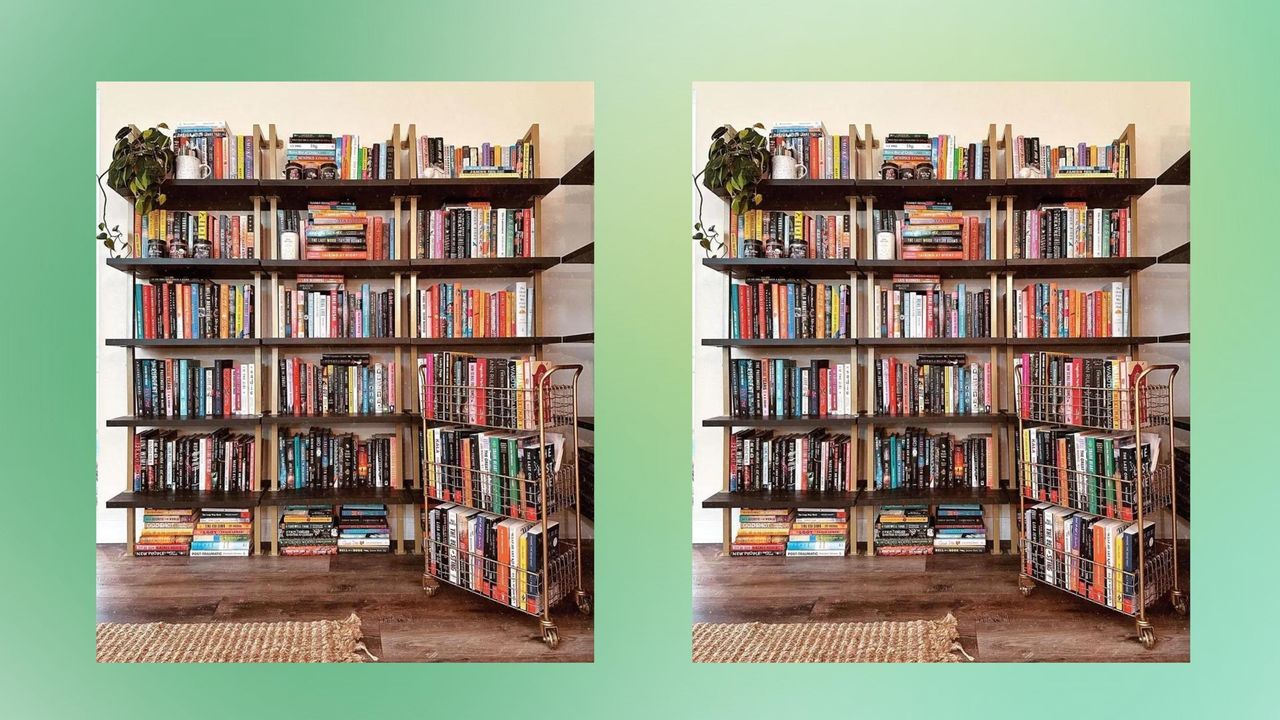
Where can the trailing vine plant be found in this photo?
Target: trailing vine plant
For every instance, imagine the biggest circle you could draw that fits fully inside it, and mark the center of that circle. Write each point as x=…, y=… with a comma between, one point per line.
x=140, y=162
x=736, y=163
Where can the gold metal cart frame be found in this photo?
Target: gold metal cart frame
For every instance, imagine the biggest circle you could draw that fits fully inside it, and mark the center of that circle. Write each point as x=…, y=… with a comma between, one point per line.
x=555, y=407
x=1150, y=406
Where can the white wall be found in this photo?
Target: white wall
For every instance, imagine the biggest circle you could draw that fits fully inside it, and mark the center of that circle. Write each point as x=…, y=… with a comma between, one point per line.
x=1056, y=112
x=462, y=112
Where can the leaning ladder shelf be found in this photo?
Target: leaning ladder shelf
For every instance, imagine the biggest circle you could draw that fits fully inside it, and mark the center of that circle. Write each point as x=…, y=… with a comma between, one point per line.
x=1144, y=405
x=550, y=407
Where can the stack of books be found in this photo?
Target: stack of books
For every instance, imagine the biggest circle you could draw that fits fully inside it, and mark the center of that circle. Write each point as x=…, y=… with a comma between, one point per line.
x=916, y=306
x=762, y=532
x=223, y=532
x=320, y=306
x=760, y=460
x=1086, y=554
x=824, y=156
x=939, y=383
x=165, y=532
x=338, y=231
x=1033, y=158
x=918, y=459
x=476, y=230
x=229, y=156
x=340, y=384
x=1071, y=230
x=1046, y=310
x=794, y=234
x=818, y=532
x=308, y=530
x=778, y=387
x=363, y=529
x=959, y=529
x=484, y=160
x=904, y=530
x=321, y=458
x=790, y=309
x=449, y=310
x=192, y=309
x=933, y=231
x=306, y=156
x=182, y=387
x=176, y=233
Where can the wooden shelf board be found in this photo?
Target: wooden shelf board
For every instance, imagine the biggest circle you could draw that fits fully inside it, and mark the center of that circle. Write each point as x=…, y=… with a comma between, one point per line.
x=832, y=421
x=193, y=499
x=1078, y=268
x=1182, y=422
x=207, y=194
x=350, y=269
x=488, y=343
x=342, y=496
x=1180, y=255
x=812, y=269
x=1081, y=342
x=481, y=267
x=947, y=269
x=830, y=195
x=338, y=342
x=1030, y=193
x=1179, y=173
x=584, y=173
x=185, y=422
x=911, y=496
x=218, y=269
x=780, y=343
x=587, y=422
x=586, y=338
x=782, y=499
x=373, y=419
x=1027, y=193
x=585, y=255
x=926, y=343
x=936, y=419
x=188, y=343
x=962, y=194
x=1176, y=338
x=500, y=192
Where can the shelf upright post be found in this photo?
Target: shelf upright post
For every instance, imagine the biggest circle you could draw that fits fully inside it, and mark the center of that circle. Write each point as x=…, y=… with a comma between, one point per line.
x=130, y=380
x=1008, y=151
x=409, y=158
x=869, y=169
x=997, y=428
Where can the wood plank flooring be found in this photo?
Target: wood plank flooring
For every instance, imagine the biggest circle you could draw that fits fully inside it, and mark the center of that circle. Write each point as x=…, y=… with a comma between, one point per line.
x=401, y=622
x=996, y=623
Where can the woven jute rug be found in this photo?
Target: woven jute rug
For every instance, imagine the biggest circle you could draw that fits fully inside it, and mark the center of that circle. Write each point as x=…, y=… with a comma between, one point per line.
x=912, y=641
x=319, y=641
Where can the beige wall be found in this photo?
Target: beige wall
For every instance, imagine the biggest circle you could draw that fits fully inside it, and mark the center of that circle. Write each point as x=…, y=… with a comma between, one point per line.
x=462, y=112
x=1057, y=112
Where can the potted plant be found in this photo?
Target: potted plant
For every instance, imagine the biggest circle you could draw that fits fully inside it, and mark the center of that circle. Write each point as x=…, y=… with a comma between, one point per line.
x=736, y=163
x=140, y=162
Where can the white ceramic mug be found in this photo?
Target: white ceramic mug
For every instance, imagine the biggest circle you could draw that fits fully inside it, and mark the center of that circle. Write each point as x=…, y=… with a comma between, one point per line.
x=785, y=167
x=189, y=167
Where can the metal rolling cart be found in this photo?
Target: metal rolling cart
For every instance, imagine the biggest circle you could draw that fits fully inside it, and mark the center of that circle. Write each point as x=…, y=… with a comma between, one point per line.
x=527, y=495
x=1143, y=492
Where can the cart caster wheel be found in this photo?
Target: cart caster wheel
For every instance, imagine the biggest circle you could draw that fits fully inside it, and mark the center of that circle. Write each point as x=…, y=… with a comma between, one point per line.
x=1180, y=603
x=1025, y=590
x=1147, y=636
x=584, y=603
x=551, y=637
x=429, y=584
x=429, y=590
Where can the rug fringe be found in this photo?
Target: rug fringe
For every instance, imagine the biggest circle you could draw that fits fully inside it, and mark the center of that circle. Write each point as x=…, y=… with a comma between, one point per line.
x=957, y=647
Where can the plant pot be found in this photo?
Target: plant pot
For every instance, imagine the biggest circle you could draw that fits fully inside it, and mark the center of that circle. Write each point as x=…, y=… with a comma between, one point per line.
x=157, y=249
x=179, y=250
x=752, y=249
x=775, y=249
x=202, y=249
x=799, y=249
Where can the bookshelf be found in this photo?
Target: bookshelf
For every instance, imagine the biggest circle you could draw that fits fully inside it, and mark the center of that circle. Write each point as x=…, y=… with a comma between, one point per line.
x=268, y=274
x=999, y=195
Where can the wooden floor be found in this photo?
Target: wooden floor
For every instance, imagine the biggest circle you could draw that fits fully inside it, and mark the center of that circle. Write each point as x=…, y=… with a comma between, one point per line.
x=401, y=622
x=996, y=623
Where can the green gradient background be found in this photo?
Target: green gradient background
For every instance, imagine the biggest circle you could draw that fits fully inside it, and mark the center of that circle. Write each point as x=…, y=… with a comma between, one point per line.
x=642, y=57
